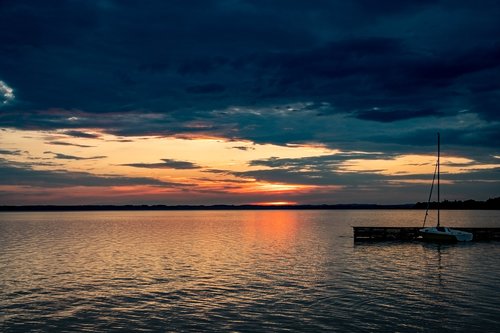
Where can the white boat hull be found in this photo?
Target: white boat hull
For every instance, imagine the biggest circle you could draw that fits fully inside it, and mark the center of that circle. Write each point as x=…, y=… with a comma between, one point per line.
x=444, y=234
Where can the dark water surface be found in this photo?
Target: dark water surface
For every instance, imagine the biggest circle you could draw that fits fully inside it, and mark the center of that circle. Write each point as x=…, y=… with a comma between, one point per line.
x=244, y=271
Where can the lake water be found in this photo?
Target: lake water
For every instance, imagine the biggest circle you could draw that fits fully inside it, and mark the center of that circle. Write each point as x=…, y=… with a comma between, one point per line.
x=243, y=271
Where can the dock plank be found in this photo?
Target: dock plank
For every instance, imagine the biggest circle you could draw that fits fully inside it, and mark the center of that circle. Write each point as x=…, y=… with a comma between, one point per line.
x=366, y=234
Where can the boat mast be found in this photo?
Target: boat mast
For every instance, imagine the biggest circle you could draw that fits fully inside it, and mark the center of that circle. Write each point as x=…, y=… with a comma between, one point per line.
x=439, y=153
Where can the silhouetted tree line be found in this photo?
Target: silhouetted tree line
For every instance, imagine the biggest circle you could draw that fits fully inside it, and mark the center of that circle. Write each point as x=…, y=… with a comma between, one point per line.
x=467, y=204
x=493, y=203
x=57, y=208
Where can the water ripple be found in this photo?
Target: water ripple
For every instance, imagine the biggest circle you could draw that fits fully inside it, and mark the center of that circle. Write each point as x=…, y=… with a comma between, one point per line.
x=283, y=271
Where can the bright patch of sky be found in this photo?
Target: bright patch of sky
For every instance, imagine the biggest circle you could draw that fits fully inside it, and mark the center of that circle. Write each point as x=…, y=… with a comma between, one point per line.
x=213, y=159
x=203, y=165
x=6, y=93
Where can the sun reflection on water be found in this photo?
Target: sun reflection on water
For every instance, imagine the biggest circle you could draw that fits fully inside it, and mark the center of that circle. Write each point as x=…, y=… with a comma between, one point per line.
x=237, y=271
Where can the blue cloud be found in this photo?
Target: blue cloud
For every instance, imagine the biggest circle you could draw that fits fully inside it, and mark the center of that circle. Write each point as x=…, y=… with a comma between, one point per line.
x=366, y=75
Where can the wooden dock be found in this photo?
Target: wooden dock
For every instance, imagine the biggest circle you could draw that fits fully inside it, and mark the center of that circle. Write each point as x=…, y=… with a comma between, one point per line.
x=377, y=234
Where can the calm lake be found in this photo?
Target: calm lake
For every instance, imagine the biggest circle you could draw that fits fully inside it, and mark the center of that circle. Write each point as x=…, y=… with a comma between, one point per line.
x=243, y=271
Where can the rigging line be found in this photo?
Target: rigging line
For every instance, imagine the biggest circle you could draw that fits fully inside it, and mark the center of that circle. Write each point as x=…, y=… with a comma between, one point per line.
x=430, y=195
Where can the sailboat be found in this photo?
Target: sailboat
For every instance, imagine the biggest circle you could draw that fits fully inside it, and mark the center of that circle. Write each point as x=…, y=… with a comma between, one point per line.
x=440, y=233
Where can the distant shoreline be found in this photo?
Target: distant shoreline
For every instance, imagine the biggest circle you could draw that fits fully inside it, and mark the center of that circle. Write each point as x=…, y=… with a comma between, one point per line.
x=490, y=204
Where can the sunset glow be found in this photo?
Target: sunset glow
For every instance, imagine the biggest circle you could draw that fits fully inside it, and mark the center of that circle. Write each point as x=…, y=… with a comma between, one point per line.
x=276, y=203
x=218, y=165
x=236, y=102
x=163, y=170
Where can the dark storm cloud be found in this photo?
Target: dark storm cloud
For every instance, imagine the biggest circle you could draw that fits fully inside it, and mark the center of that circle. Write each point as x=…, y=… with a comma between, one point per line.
x=72, y=157
x=314, y=177
x=322, y=171
x=211, y=88
x=24, y=175
x=10, y=152
x=487, y=136
x=62, y=143
x=134, y=68
x=243, y=148
x=315, y=163
x=166, y=164
x=218, y=171
x=394, y=115
x=80, y=134
x=333, y=170
x=180, y=164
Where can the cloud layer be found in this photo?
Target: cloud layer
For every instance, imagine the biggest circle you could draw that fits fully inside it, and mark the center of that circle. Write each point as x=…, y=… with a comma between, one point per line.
x=118, y=56
x=359, y=76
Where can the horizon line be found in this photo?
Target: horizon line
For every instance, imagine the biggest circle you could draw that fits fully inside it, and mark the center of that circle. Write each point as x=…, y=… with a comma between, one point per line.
x=491, y=203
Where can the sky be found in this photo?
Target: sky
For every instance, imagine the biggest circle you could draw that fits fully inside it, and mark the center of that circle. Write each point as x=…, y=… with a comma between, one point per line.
x=247, y=101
